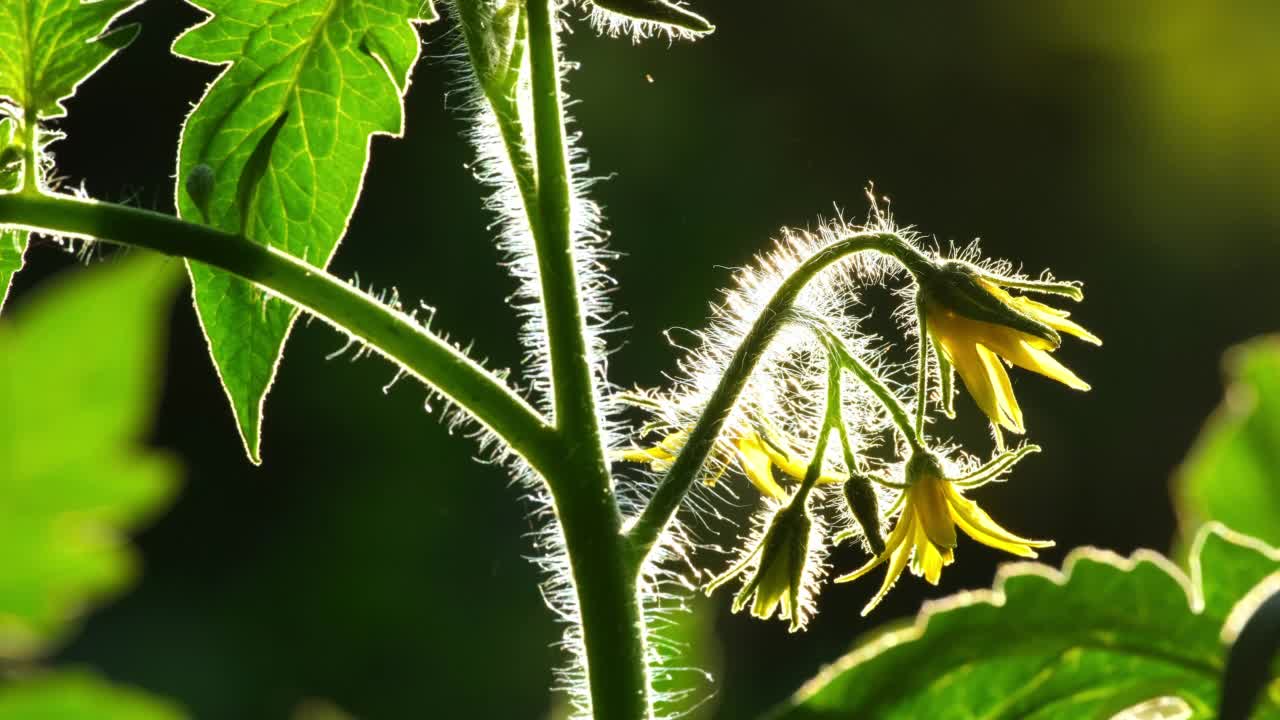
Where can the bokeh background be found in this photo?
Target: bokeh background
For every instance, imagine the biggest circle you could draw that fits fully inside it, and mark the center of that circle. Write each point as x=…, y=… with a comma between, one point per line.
x=372, y=562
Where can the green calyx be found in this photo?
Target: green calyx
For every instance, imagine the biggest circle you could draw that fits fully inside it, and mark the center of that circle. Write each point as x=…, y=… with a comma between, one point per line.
x=923, y=464
x=956, y=286
x=658, y=11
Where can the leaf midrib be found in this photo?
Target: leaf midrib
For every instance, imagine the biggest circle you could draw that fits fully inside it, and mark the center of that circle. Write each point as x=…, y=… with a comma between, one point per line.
x=303, y=52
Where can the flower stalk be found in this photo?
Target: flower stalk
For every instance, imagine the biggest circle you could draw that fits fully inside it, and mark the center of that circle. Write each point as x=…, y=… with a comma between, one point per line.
x=657, y=514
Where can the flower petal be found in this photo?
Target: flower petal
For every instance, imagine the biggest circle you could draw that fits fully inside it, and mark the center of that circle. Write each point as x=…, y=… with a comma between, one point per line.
x=1025, y=355
x=929, y=502
x=1054, y=318
x=786, y=462
x=902, y=533
x=900, y=556
x=927, y=560
x=1008, y=412
x=754, y=459
x=978, y=525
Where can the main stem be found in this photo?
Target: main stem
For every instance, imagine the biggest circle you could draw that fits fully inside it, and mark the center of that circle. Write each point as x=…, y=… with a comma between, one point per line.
x=612, y=624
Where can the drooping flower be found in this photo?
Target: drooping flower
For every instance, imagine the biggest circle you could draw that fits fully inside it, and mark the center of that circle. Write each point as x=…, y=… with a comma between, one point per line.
x=924, y=538
x=754, y=454
x=975, y=324
x=780, y=568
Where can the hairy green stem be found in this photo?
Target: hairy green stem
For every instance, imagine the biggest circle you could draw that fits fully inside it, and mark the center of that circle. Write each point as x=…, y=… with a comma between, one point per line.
x=571, y=368
x=391, y=332
x=655, y=517
x=610, y=614
x=872, y=382
x=922, y=369
x=832, y=419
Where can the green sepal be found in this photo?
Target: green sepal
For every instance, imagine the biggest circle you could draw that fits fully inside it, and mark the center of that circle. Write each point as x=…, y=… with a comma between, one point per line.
x=955, y=285
x=658, y=11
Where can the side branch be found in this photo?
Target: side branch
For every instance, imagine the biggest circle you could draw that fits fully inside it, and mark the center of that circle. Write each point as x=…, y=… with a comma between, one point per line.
x=657, y=514
x=391, y=332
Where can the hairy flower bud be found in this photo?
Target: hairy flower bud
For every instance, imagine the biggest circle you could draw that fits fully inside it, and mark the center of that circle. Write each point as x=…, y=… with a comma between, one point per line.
x=865, y=508
x=780, y=570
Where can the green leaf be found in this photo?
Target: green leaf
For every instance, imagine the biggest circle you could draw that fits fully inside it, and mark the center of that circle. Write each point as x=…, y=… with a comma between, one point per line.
x=79, y=366
x=1105, y=634
x=1233, y=473
x=79, y=695
x=48, y=47
x=13, y=242
x=13, y=246
x=286, y=131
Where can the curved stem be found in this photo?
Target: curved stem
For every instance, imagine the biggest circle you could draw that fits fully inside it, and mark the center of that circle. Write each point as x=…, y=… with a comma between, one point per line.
x=883, y=394
x=391, y=332
x=836, y=350
x=832, y=419
x=684, y=470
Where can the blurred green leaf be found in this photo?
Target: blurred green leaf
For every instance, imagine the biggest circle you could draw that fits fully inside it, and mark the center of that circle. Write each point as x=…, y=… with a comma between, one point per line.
x=77, y=696
x=1254, y=661
x=1104, y=635
x=1233, y=473
x=48, y=47
x=79, y=366
x=286, y=131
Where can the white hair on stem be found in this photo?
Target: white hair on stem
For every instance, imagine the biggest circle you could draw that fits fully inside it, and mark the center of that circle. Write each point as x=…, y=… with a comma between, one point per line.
x=785, y=395
x=493, y=168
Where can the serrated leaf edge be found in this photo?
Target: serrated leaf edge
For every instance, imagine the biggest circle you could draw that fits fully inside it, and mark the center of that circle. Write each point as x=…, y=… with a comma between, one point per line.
x=1191, y=584
x=106, y=30
x=254, y=450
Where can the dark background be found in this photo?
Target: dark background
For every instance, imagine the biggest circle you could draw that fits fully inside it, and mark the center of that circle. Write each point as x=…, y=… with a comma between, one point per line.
x=370, y=561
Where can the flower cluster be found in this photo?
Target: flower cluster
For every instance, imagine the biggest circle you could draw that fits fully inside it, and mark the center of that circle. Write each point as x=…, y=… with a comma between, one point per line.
x=794, y=396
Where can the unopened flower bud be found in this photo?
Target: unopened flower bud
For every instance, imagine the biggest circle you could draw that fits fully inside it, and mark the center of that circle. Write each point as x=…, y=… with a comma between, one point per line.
x=865, y=508
x=777, y=579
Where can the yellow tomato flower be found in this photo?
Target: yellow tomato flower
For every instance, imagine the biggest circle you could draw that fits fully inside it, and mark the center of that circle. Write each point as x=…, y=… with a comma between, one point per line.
x=925, y=535
x=974, y=323
x=755, y=456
